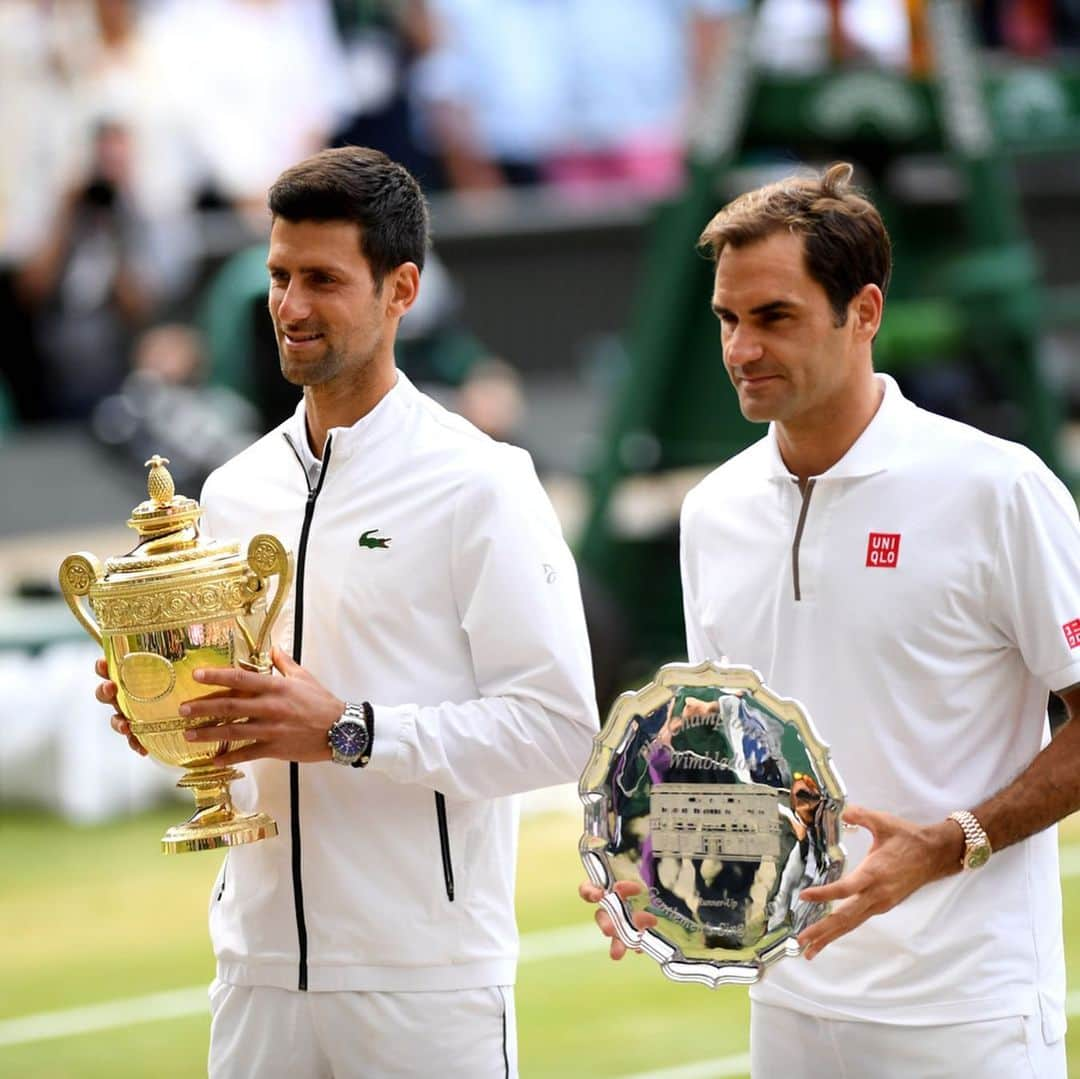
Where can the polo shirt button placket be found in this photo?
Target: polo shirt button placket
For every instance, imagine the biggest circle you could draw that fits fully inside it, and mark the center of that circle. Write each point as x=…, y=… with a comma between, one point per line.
x=804, y=543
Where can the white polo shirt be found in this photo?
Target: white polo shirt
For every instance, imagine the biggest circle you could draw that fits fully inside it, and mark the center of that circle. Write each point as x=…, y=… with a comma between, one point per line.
x=920, y=600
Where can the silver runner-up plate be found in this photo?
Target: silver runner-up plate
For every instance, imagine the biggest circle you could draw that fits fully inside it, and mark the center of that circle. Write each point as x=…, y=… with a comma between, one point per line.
x=720, y=800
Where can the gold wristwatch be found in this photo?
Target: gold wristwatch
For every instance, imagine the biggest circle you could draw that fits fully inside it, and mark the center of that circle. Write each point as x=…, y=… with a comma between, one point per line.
x=977, y=848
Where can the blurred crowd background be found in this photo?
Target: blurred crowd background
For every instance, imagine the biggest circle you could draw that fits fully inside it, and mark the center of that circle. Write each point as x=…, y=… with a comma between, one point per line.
x=137, y=141
x=138, y=138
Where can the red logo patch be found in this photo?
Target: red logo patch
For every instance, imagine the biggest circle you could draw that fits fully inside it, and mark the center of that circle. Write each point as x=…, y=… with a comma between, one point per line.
x=883, y=550
x=1072, y=632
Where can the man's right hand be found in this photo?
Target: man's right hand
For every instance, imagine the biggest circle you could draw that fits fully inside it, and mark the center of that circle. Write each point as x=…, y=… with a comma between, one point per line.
x=106, y=693
x=593, y=893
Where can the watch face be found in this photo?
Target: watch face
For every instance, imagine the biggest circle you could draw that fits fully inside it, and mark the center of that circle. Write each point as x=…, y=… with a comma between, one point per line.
x=978, y=856
x=349, y=738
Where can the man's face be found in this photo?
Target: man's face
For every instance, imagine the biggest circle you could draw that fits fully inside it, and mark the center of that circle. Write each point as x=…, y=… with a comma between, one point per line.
x=329, y=318
x=805, y=798
x=785, y=355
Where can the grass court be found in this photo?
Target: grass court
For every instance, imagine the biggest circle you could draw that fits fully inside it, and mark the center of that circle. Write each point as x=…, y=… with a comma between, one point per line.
x=100, y=931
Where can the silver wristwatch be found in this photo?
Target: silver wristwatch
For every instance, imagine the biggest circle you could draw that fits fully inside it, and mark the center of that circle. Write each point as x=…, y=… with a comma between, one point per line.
x=977, y=848
x=351, y=735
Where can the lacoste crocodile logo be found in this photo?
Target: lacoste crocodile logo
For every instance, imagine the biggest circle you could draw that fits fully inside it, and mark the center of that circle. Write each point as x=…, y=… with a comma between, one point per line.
x=369, y=539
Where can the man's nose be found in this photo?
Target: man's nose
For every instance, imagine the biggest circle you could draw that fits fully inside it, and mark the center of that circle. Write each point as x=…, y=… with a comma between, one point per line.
x=741, y=347
x=294, y=305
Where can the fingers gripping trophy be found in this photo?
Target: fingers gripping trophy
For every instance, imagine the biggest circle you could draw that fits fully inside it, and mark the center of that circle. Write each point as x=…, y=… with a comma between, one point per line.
x=176, y=602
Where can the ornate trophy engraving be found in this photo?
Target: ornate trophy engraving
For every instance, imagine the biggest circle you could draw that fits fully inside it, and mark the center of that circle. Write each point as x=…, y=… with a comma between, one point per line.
x=720, y=800
x=176, y=602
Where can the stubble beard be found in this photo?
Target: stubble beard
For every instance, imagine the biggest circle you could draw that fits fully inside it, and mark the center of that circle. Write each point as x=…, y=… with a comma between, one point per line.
x=310, y=372
x=346, y=362
x=760, y=408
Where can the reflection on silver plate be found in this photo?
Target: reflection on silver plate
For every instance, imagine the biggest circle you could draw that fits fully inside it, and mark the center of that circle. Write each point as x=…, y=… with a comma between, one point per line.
x=720, y=800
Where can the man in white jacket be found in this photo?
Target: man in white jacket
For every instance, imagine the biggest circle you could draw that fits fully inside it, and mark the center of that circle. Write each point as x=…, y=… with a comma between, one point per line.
x=439, y=666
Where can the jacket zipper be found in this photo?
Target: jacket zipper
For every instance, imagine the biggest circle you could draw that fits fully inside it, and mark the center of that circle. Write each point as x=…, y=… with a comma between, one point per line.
x=444, y=845
x=294, y=768
x=224, y=874
x=798, y=538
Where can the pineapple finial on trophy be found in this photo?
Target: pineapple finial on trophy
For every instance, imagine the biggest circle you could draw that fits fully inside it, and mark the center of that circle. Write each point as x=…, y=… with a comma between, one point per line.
x=159, y=484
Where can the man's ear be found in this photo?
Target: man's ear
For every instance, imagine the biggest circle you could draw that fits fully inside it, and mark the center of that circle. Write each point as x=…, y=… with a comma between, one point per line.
x=867, y=307
x=402, y=285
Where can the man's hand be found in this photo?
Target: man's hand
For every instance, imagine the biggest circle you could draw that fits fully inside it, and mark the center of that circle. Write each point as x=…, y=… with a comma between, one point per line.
x=287, y=717
x=593, y=893
x=106, y=693
x=903, y=857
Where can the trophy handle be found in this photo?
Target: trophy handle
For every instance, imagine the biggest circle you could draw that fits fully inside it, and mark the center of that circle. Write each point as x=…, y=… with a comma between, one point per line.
x=78, y=572
x=266, y=555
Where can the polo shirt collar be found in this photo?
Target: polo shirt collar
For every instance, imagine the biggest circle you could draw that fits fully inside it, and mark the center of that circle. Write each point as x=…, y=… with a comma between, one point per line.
x=873, y=451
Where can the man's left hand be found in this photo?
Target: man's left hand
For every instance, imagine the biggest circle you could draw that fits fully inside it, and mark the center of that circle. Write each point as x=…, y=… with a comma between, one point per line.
x=903, y=857
x=287, y=716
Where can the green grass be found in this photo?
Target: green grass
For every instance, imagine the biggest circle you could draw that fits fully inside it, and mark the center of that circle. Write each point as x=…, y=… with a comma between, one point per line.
x=96, y=914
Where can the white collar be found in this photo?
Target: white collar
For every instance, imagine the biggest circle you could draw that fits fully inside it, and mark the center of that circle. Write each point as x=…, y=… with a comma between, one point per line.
x=382, y=421
x=873, y=451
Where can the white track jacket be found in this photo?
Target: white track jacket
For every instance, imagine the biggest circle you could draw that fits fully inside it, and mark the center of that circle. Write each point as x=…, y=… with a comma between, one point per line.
x=432, y=580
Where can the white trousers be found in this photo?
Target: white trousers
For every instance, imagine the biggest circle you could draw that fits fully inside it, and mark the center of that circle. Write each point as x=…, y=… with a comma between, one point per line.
x=788, y=1045
x=256, y=1031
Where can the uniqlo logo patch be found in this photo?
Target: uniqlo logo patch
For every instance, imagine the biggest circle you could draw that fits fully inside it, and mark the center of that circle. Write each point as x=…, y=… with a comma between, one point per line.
x=883, y=550
x=1072, y=632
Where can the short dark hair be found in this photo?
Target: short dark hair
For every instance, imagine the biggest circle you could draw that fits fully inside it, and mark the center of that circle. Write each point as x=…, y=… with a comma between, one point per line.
x=363, y=186
x=845, y=242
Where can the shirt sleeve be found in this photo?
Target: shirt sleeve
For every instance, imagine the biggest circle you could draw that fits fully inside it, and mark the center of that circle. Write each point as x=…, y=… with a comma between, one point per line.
x=520, y=607
x=1035, y=600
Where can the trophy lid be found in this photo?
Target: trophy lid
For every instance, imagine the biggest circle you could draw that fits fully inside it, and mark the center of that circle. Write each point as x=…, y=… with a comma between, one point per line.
x=168, y=528
x=164, y=511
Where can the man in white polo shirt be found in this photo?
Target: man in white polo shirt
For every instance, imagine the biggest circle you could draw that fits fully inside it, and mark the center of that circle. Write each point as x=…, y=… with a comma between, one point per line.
x=916, y=583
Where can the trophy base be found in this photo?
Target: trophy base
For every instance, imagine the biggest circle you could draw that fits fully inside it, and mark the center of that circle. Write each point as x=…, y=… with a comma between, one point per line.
x=198, y=834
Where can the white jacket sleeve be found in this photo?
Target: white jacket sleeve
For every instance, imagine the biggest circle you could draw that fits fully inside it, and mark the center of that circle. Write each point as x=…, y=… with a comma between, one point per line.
x=519, y=605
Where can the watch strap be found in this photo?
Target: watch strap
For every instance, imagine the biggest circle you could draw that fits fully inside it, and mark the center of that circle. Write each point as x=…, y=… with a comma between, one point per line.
x=977, y=847
x=368, y=714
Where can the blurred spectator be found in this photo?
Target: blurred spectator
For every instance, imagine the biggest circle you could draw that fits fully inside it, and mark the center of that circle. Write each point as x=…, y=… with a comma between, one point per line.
x=635, y=69
x=256, y=85
x=582, y=94
x=798, y=35
x=112, y=65
x=102, y=269
x=493, y=91
x=382, y=40
x=36, y=126
x=86, y=191
x=35, y=131
x=165, y=406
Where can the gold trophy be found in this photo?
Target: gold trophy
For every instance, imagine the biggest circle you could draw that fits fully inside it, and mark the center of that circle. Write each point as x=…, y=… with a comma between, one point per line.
x=176, y=602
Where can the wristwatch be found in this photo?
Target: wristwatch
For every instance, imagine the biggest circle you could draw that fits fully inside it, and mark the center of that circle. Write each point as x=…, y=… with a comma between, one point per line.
x=977, y=849
x=351, y=735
